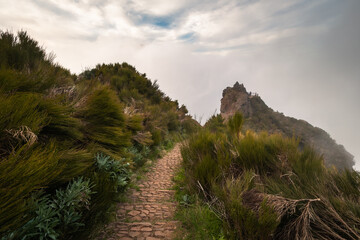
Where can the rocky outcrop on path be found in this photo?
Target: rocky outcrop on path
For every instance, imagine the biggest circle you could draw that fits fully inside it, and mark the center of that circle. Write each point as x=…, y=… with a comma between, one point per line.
x=148, y=215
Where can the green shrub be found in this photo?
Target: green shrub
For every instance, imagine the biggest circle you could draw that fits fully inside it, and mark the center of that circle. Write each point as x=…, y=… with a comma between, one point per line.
x=139, y=157
x=134, y=122
x=235, y=123
x=21, y=110
x=156, y=137
x=28, y=117
x=106, y=121
x=20, y=51
x=60, y=122
x=74, y=162
x=109, y=178
x=118, y=170
x=22, y=172
x=215, y=123
x=200, y=160
x=56, y=217
x=25, y=66
x=257, y=152
x=189, y=126
x=242, y=221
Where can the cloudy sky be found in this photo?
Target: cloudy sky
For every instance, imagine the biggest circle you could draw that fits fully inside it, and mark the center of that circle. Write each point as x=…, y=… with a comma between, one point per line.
x=301, y=56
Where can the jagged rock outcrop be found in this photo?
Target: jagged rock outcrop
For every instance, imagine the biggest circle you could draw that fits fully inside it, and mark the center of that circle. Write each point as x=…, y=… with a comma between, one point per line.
x=260, y=117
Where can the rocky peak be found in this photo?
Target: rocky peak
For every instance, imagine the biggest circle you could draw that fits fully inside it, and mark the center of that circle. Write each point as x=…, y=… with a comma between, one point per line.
x=236, y=99
x=239, y=88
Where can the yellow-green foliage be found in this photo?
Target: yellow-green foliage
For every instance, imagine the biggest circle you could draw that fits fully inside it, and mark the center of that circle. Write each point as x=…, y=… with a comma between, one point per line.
x=215, y=123
x=20, y=51
x=61, y=124
x=235, y=123
x=189, y=126
x=23, y=171
x=265, y=187
x=21, y=110
x=105, y=120
x=29, y=117
x=25, y=66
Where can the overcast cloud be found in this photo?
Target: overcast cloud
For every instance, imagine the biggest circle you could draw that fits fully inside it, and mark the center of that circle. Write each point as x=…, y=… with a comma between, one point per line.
x=301, y=56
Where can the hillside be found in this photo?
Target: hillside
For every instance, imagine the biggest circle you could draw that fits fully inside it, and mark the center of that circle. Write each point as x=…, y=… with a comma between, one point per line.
x=69, y=143
x=259, y=117
x=238, y=184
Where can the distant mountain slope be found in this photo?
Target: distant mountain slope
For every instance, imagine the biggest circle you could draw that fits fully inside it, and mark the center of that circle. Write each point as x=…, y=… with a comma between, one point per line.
x=260, y=117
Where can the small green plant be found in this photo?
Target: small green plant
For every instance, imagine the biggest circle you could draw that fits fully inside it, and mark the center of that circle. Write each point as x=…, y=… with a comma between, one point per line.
x=198, y=220
x=199, y=223
x=118, y=170
x=186, y=200
x=139, y=157
x=168, y=144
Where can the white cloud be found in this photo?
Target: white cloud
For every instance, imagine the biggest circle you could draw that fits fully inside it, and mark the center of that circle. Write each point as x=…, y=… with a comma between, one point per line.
x=158, y=7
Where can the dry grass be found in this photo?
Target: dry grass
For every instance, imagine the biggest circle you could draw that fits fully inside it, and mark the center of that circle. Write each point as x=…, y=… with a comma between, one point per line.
x=24, y=133
x=304, y=219
x=143, y=138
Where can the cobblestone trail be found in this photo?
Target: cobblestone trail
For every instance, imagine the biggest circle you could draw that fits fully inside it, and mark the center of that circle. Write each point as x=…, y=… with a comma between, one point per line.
x=148, y=215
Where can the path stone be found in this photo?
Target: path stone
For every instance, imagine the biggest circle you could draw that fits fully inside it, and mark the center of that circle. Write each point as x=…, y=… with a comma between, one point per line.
x=149, y=213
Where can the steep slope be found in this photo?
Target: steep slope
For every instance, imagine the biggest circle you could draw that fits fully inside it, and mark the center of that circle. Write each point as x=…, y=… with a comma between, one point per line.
x=259, y=117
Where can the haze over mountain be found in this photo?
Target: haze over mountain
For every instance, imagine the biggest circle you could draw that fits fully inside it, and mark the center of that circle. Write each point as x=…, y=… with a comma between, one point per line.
x=301, y=56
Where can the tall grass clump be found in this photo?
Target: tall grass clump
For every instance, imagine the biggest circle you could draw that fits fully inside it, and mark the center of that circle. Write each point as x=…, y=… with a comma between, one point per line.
x=22, y=172
x=105, y=121
x=264, y=187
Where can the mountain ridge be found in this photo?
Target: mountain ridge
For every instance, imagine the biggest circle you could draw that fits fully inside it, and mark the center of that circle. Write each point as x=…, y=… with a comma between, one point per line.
x=260, y=117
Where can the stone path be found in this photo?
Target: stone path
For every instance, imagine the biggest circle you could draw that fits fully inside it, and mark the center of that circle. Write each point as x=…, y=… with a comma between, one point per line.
x=148, y=215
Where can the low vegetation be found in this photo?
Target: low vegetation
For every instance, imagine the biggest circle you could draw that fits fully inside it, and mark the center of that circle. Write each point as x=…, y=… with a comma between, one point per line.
x=69, y=143
x=263, y=186
x=198, y=220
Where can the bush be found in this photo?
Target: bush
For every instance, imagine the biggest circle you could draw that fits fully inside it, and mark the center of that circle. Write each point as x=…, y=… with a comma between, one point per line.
x=189, y=126
x=20, y=51
x=56, y=217
x=106, y=121
x=139, y=157
x=215, y=124
x=118, y=170
x=22, y=172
